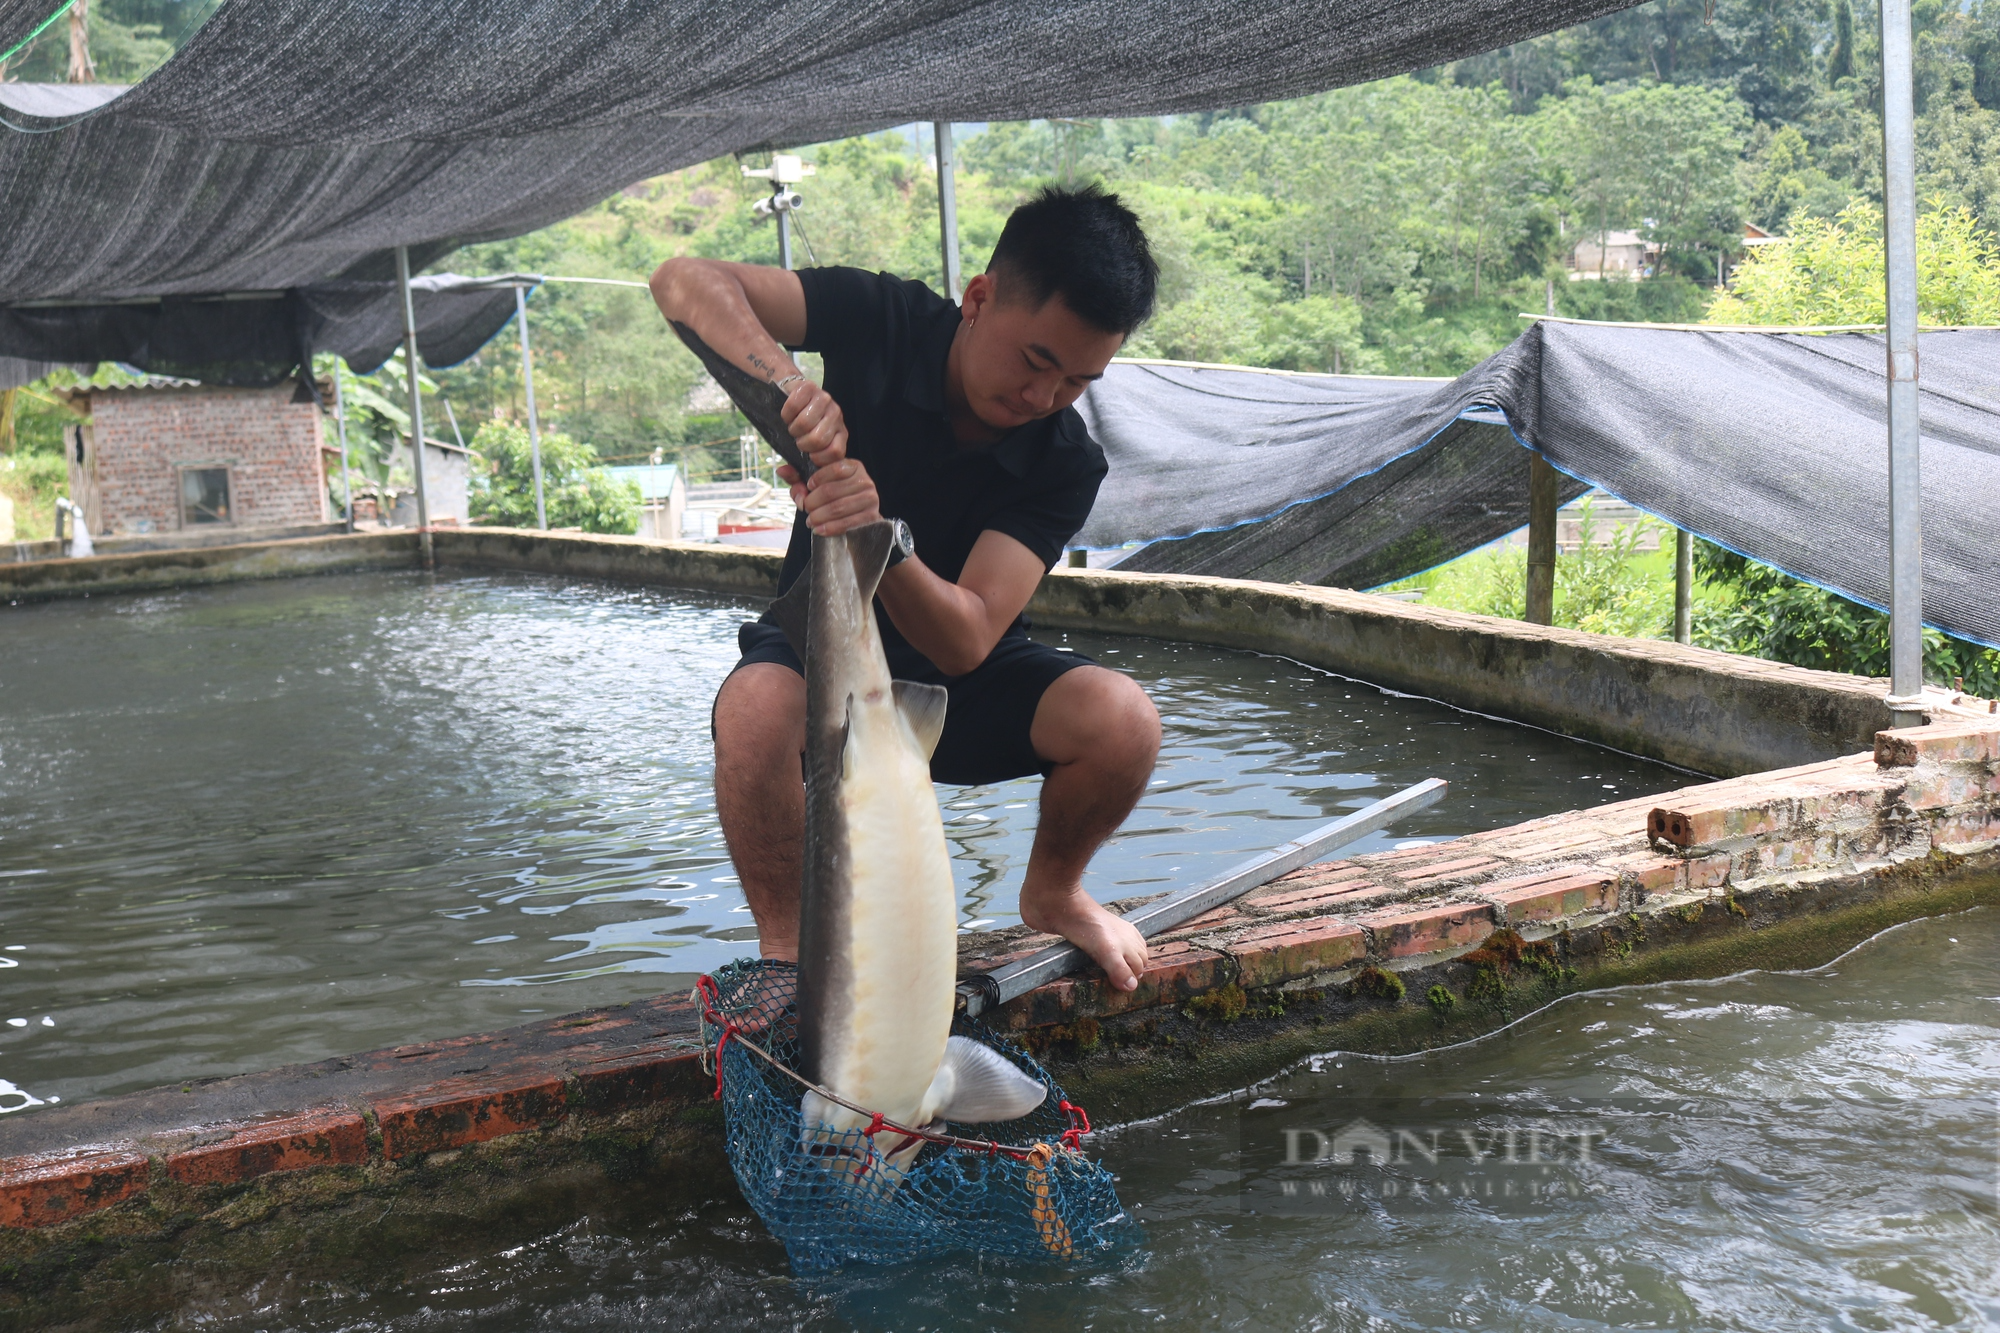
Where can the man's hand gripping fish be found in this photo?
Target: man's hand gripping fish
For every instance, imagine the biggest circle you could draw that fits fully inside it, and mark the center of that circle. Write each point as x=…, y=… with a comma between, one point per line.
x=879, y=921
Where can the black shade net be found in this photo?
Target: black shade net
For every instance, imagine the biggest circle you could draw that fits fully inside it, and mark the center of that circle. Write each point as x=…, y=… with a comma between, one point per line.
x=19, y=19
x=1773, y=445
x=261, y=338
x=294, y=141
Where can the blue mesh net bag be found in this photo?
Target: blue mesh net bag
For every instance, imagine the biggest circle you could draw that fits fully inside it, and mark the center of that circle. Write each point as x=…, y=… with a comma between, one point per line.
x=1021, y=1189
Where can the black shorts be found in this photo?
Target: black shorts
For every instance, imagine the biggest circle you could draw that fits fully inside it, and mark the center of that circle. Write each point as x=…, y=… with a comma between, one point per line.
x=990, y=711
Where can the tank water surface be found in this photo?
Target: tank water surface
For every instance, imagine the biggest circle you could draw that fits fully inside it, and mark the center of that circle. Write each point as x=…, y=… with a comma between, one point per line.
x=267, y=822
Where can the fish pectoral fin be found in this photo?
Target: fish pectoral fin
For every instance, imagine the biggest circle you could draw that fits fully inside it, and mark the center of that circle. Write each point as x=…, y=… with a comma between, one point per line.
x=922, y=706
x=789, y=612
x=868, y=546
x=976, y=1085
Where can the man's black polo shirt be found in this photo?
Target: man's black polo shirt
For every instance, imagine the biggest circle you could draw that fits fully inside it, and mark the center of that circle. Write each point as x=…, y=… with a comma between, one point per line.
x=885, y=342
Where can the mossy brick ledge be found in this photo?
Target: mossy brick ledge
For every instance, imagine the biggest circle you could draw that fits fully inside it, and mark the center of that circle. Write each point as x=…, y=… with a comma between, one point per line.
x=1774, y=869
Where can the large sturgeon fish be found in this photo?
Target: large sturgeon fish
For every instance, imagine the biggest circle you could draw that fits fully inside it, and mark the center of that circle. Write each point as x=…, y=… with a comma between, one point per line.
x=878, y=948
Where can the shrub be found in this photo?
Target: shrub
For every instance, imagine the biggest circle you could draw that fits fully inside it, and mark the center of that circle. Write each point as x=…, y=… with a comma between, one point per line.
x=1773, y=615
x=576, y=490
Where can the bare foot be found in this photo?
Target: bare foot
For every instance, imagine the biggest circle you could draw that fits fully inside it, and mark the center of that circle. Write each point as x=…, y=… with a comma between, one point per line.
x=1113, y=941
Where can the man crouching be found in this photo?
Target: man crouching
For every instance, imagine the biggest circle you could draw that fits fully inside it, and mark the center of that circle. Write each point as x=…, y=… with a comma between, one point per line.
x=958, y=420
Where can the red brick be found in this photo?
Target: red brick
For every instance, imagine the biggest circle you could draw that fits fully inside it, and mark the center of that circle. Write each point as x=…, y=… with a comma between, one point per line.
x=1345, y=893
x=1545, y=844
x=43, y=1190
x=1424, y=929
x=459, y=1111
x=1401, y=857
x=1693, y=825
x=1216, y=917
x=1972, y=741
x=642, y=1077
x=1935, y=788
x=1708, y=872
x=1017, y=950
x=1794, y=854
x=1648, y=873
x=329, y=1137
x=1272, y=954
x=1966, y=826
x=1553, y=895
x=1299, y=886
x=1457, y=868
x=1174, y=973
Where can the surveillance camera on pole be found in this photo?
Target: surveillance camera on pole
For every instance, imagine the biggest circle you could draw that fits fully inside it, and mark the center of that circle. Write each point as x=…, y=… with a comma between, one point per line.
x=785, y=171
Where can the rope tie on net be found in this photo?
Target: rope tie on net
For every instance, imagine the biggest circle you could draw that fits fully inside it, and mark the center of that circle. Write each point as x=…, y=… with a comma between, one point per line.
x=709, y=996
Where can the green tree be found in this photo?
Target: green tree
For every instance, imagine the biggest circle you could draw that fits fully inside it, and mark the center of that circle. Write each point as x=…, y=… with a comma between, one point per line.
x=1832, y=273
x=1840, y=56
x=577, y=492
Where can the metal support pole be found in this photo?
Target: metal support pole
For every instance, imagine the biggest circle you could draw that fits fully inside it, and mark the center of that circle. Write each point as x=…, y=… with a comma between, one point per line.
x=784, y=238
x=1541, y=592
x=1683, y=586
x=340, y=420
x=416, y=407
x=1899, y=214
x=947, y=208
x=534, y=426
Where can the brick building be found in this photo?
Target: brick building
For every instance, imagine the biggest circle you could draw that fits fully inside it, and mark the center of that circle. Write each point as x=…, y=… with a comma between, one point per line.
x=179, y=457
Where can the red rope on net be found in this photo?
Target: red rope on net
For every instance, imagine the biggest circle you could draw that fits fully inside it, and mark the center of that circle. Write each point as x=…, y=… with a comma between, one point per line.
x=709, y=995
x=1079, y=1125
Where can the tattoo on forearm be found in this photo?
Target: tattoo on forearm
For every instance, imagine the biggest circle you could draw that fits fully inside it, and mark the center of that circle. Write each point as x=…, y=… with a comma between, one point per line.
x=760, y=363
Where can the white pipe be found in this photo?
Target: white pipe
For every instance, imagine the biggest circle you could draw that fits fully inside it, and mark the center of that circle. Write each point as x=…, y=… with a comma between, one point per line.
x=340, y=420
x=534, y=426
x=416, y=405
x=947, y=208
x=1899, y=217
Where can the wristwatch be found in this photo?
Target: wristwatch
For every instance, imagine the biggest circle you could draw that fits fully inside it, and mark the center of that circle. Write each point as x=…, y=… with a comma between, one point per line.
x=902, y=545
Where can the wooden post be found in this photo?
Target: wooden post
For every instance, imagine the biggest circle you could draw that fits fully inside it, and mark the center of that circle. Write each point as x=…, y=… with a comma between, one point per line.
x=1541, y=608
x=1683, y=586
x=82, y=69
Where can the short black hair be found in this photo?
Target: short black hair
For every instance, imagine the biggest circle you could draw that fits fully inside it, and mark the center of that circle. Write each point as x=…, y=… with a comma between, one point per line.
x=1085, y=246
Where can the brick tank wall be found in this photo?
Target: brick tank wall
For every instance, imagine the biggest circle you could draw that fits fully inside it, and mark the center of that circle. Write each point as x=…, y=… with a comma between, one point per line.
x=269, y=444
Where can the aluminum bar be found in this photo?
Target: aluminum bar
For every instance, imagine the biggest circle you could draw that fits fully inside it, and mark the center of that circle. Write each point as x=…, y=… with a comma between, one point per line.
x=416, y=407
x=947, y=180
x=1899, y=215
x=528, y=386
x=1018, y=978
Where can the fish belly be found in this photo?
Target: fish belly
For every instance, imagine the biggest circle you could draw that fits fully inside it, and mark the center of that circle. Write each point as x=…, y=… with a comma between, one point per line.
x=902, y=941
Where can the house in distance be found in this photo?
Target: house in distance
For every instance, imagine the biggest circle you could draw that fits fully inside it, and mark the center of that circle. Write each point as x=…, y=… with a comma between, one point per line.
x=172, y=456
